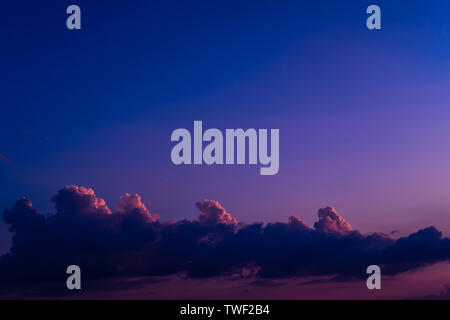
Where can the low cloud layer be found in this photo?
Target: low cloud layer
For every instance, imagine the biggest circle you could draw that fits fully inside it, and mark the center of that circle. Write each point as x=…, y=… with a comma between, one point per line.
x=131, y=241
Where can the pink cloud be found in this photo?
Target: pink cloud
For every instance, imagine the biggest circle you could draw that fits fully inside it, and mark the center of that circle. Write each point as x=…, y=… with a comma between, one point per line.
x=79, y=200
x=296, y=222
x=211, y=213
x=133, y=203
x=331, y=221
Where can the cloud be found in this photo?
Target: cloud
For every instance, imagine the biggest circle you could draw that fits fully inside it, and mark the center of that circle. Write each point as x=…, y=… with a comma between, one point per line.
x=132, y=242
x=211, y=213
x=5, y=159
x=297, y=223
x=23, y=217
x=444, y=295
x=132, y=203
x=331, y=221
x=79, y=201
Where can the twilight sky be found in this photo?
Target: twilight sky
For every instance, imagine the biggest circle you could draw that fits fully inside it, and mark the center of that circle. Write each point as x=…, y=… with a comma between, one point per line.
x=363, y=115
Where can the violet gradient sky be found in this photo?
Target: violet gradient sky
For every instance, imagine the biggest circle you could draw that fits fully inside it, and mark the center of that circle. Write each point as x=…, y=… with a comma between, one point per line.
x=363, y=115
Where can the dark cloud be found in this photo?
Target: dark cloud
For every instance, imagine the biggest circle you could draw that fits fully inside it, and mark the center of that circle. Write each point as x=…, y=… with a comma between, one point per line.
x=79, y=201
x=132, y=242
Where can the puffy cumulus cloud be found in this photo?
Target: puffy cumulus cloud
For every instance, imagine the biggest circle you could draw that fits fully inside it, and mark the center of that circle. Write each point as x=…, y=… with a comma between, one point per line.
x=132, y=203
x=211, y=213
x=128, y=243
x=80, y=201
x=82, y=231
x=22, y=217
x=331, y=221
x=296, y=222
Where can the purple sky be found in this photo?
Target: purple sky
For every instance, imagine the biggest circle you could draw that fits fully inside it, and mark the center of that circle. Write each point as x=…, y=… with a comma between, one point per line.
x=363, y=115
x=363, y=130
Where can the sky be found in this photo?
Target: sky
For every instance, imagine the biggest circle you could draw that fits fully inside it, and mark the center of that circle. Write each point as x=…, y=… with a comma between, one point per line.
x=363, y=114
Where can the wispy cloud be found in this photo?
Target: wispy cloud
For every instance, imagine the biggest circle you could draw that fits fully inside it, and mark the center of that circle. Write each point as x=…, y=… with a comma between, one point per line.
x=5, y=159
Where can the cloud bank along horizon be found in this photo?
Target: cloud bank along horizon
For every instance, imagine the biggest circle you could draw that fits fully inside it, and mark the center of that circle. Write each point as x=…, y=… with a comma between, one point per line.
x=131, y=241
